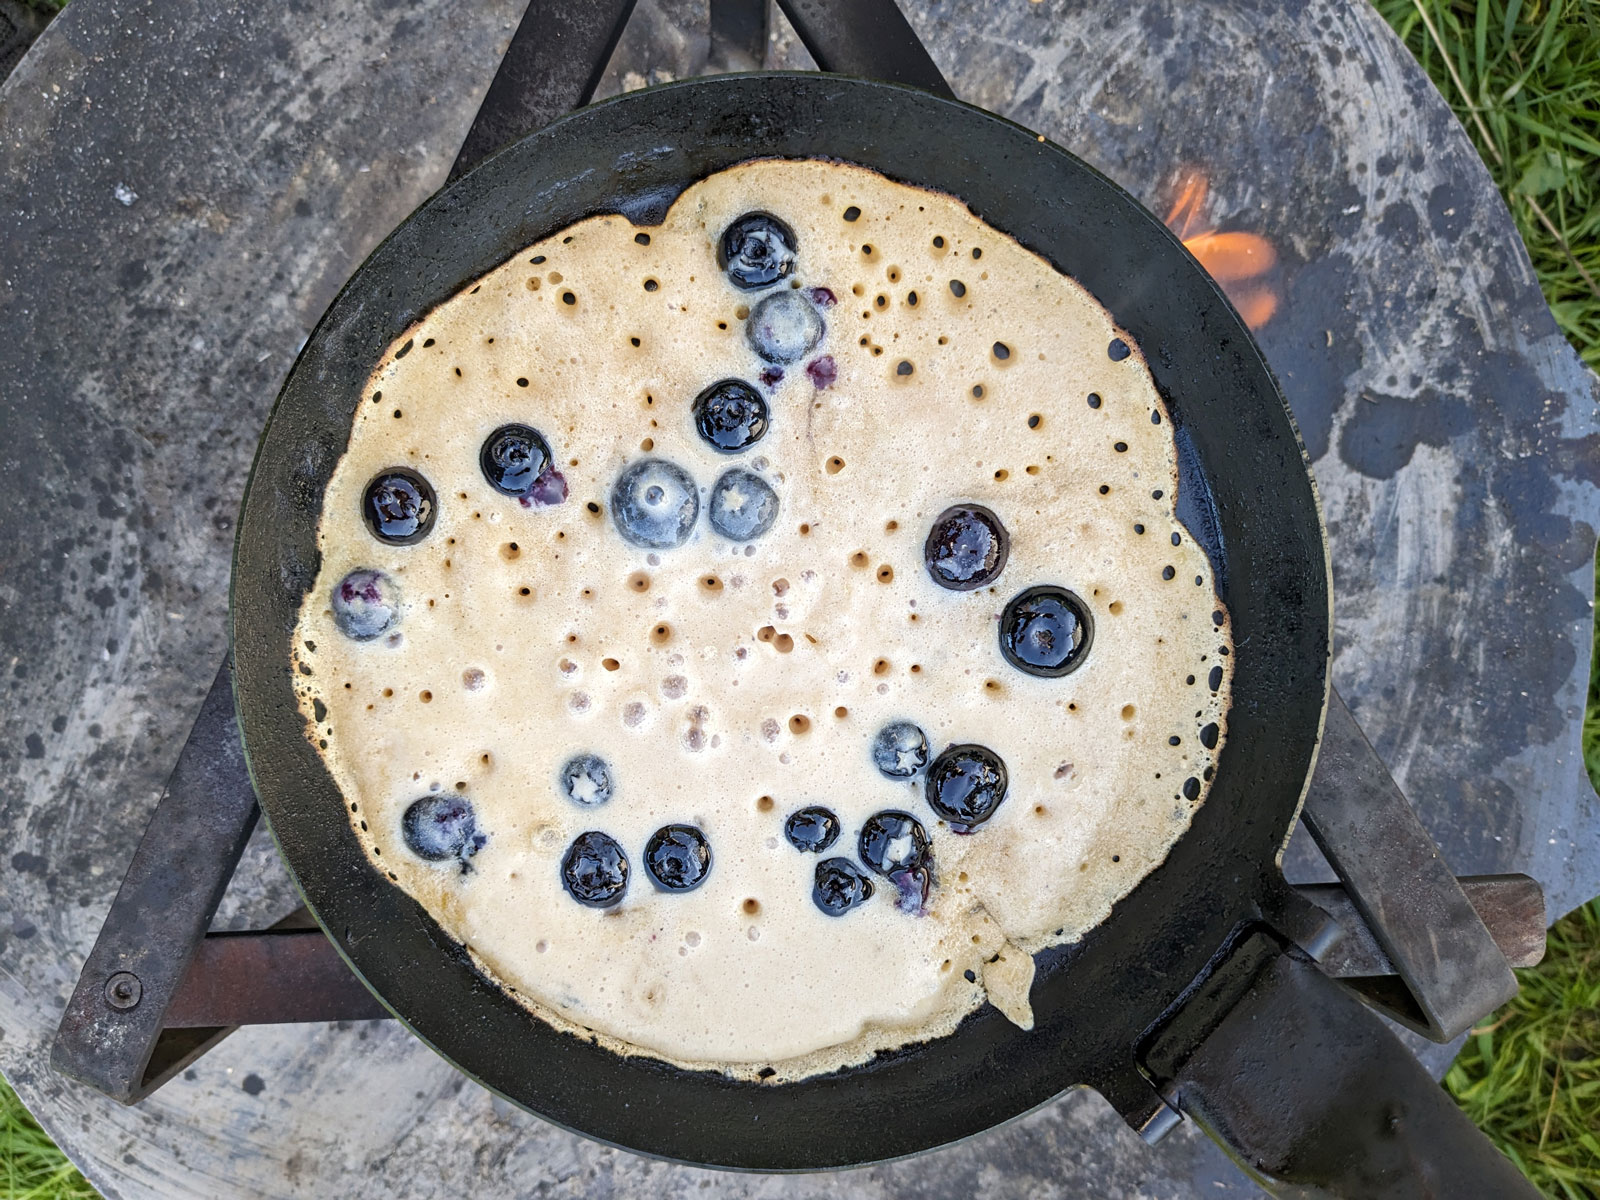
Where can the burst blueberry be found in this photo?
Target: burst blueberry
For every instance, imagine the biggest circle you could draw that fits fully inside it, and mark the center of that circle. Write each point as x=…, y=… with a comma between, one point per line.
x=654, y=504
x=812, y=829
x=366, y=604
x=966, y=785
x=399, y=506
x=595, y=870
x=838, y=886
x=895, y=845
x=586, y=780
x=742, y=506
x=900, y=750
x=730, y=415
x=513, y=458
x=966, y=547
x=784, y=327
x=1045, y=631
x=678, y=858
x=440, y=827
x=756, y=251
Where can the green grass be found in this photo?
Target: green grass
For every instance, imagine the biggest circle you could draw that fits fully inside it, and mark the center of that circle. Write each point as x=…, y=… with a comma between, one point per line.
x=1525, y=80
x=31, y=1168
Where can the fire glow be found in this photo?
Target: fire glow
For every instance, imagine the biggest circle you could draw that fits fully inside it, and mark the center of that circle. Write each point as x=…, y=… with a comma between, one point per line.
x=1239, y=262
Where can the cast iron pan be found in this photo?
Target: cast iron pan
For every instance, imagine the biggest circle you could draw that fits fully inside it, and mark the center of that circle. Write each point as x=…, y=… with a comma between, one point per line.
x=1246, y=495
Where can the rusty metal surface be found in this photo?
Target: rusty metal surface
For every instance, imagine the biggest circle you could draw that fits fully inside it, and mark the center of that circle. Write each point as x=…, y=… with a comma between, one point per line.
x=265, y=149
x=269, y=978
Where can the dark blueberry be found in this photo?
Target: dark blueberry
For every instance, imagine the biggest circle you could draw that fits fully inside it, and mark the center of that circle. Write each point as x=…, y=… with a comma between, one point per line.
x=756, y=251
x=678, y=858
x=595, y=870
x=813, y=829
x=1118, y=350
x=513, y=457
x=366, y=604
x=900, y=750
x=731, y=415
x=442, y=827
x=1045, y=631
x=895, y=845
x=966, y=785
x=1208, y=736
x=586, y=780
x=399, y=506
x=839, y=886
x=966, y=547
x=743, y=506
x=654, y=504
x=784, y=327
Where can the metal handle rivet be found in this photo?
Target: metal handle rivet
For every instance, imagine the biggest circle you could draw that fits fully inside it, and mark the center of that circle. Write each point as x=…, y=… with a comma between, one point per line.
x=123, y=990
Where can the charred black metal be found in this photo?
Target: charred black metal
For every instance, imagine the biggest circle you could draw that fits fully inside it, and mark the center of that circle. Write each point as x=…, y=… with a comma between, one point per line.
x=1450, y=970
x=1317, y=1098
x=870, y=38
x=552, y=66
x=113, y=1035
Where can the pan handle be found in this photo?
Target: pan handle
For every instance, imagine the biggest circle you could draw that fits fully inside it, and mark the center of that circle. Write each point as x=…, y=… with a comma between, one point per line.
x=1312, y=1094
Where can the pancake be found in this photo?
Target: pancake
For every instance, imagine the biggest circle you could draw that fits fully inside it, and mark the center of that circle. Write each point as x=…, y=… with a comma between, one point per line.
x=685, y=573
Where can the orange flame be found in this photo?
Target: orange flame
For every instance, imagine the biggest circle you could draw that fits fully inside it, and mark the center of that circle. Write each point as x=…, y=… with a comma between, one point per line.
x=1237, y=261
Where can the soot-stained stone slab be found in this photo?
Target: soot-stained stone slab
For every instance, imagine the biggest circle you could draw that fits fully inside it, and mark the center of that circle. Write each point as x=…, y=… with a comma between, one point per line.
x=184, y=187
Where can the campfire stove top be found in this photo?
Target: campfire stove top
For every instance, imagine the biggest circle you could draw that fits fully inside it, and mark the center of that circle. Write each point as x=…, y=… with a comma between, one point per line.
x=215, y=175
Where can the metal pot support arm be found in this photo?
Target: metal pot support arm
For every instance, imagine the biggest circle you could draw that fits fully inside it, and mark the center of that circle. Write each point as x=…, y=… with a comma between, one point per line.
x=1311, y=1094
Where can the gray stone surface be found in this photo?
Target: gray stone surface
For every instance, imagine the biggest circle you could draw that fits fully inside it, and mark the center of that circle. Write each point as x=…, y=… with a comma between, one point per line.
x=183, y=187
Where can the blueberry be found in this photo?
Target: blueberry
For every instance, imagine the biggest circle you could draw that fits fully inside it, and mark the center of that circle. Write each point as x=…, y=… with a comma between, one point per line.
x=513, y=457
x=895, y=845
x=654, y=504
x=442, y=827
x=813, y=829
x=966, y=785
x=966, y=547
x=730, y=415
x=595, y=870
x=743, y=505
x=586, y=780
x=900, y=750
x=366, y=604
x=678, y=858
x=399, y=506
x=839, y=886
x=756, y=251
x=1045, y=631
x=784, y=327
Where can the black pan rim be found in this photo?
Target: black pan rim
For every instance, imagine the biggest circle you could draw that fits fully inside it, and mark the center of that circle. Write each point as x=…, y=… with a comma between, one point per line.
x=903, y=1102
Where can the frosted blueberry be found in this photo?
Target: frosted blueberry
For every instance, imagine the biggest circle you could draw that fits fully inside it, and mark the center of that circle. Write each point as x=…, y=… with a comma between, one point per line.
x=743, y=506
x=654, y=504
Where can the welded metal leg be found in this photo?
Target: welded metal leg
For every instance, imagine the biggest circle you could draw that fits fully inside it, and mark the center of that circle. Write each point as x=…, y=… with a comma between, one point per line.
x=871, y=38
x=552, y=66
x=1314, y=1096
x=1450, y=972
x=113, y=1035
